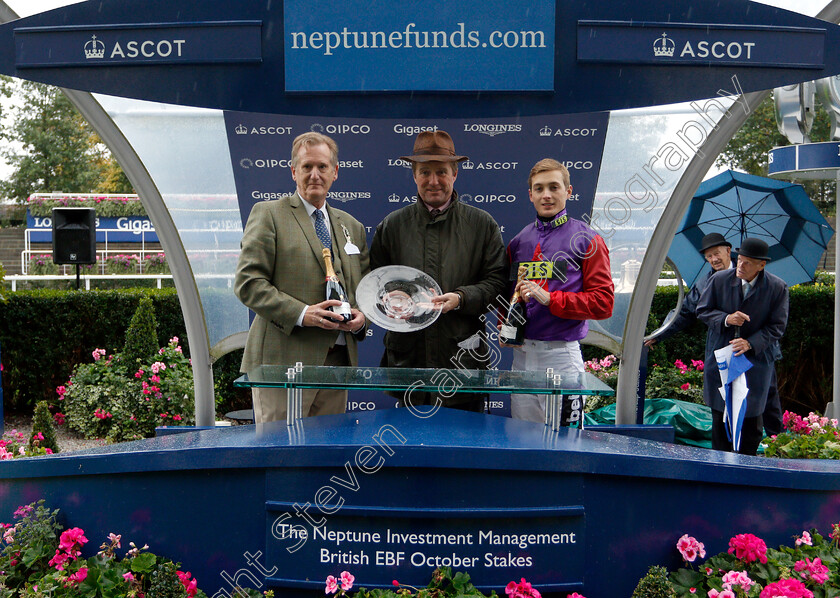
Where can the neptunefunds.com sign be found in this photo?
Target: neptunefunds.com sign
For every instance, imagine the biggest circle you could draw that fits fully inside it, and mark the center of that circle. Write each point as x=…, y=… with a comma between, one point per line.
x=379, y=45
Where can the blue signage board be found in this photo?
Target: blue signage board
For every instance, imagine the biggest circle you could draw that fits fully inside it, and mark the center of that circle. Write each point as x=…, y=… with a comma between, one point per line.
x=373, y=181
x=494, y=546
x=395, y=50
x=698, y=43
x=805, y=161
x=125, y=229
x=162, y=43
x=396, y=60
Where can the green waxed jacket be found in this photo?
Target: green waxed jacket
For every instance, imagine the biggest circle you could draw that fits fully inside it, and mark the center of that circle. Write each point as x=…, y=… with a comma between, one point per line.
x=462, y=249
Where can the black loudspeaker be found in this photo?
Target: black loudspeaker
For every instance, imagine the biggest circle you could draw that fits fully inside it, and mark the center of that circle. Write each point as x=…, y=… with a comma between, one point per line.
x=74, y=235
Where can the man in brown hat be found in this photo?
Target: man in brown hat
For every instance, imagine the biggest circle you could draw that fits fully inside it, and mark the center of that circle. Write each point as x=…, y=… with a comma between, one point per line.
x=460, y=247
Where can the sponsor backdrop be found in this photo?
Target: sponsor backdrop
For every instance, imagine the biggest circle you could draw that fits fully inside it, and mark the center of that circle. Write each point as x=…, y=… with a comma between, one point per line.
x=126, y=229
x=373, y=181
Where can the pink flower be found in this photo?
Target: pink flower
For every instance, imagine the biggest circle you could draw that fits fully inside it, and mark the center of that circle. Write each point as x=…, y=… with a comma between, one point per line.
x=347, y=580
x=115, y=540
x=139, y=373
x=158, y=366
x=576, y=595
x=332, y=585
x=58, y=418
x=79, y=576
x=813, y=570
x=738, y=578
x=71, y=537
x=786, y=588
x=690, y=548
x=524, y=589
x=804, y=539
x=685, y=386
x=129, y=577
x=61, y=390
x=98, y=353
x=748, y=548
x=177, y=418
x=191, y=586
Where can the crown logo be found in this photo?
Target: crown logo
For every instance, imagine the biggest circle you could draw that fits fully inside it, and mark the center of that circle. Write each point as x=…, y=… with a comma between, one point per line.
x=241, y=129
x=664, y=47
x=468, y=165
x=545, y=131
x=94, y=48
x=394, y=198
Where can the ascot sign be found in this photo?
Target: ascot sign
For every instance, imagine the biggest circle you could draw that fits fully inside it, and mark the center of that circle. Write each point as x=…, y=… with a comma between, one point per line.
x=472, y=59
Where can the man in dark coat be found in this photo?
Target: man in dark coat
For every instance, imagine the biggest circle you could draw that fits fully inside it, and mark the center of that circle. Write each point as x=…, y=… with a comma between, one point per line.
x=746, y=308
x=718, y=253
x=461, y=248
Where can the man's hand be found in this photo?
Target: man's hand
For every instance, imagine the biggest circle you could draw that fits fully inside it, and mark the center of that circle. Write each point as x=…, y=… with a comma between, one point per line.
x=650, y=342
x=354, y=325
x=447, y=301
x=737, y=319
x=740, y=345
x=320, y=316
x=528, y=290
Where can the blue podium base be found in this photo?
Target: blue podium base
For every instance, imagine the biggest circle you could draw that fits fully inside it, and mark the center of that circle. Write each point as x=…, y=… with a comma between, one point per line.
x=387, y=495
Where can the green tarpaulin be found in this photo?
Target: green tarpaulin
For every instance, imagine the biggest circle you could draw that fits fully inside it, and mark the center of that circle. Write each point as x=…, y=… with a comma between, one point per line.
x=692, y=422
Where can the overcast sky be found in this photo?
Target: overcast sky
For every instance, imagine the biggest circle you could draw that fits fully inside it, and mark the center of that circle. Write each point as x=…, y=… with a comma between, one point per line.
x=31, y=7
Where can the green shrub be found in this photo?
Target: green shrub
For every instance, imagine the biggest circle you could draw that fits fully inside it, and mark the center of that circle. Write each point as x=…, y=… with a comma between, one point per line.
x=44, y=333
x=654, y=585
x=43, y=432
x=141, y=336
x=114, y=399
x=41, y=264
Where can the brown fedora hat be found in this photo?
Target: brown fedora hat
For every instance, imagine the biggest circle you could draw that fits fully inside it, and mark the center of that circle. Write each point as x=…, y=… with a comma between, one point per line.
x=434, y=146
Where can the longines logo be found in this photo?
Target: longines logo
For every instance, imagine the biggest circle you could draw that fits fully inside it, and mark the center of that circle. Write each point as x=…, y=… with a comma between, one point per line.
x=492, y=129
x=470, y=165
x=94, y=48
x=345, y=196
x=547, y=131
x=243, y=130
x=398, y=162
x=394, y=198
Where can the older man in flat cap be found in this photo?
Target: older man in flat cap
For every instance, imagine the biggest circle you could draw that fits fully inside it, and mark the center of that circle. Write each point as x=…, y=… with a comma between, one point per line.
x=460, y=247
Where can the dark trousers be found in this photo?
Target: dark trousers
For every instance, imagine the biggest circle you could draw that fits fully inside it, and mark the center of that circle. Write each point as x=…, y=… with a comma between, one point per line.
x=751, y=434
x=773, y=409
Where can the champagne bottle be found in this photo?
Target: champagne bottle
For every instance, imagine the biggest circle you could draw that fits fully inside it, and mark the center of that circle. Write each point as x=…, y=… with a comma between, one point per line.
x=335, y=290
x=512, y=332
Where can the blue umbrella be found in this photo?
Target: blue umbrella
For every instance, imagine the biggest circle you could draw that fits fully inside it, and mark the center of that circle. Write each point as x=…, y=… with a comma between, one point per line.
x=738, y=206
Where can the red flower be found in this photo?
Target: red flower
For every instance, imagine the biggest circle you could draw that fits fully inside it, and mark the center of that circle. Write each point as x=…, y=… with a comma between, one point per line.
x=748, y=548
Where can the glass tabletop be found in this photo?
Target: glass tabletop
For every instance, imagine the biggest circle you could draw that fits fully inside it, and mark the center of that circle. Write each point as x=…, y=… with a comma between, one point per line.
x=427, y=379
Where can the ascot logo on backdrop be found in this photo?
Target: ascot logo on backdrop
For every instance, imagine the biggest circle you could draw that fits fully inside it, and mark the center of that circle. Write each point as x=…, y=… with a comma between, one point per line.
x=243, y=130
x=95, y=49
x=470, y=165
x=394, y=198
x=492, y=129
x=547, y=131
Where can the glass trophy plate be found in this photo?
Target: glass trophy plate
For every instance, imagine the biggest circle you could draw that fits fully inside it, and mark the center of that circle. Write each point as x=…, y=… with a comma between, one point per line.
x=398, y=298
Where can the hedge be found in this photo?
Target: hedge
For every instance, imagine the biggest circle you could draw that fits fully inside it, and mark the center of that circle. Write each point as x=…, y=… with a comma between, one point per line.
x=44, y=333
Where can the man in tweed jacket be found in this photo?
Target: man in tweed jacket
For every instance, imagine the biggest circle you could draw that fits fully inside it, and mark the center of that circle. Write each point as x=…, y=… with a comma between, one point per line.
x=281, y=274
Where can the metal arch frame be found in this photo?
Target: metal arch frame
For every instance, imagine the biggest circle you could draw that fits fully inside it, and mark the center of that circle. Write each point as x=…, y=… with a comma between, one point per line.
x=196, y=326
x=666, y=228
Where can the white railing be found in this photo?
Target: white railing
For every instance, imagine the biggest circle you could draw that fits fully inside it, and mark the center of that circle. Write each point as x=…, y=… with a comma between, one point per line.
x=102, y=254
x=15, y=278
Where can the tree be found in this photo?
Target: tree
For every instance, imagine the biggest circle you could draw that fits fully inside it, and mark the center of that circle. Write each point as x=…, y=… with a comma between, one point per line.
x=748, y=149
x=52, y=148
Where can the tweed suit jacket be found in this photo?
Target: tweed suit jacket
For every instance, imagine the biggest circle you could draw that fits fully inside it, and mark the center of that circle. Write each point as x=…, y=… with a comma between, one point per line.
x=281, y=270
